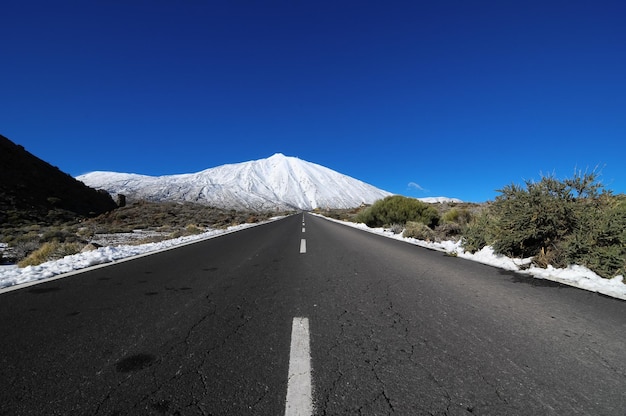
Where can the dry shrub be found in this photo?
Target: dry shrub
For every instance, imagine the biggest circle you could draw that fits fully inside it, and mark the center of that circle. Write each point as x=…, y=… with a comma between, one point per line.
x=547, y=257
x=52, y=250
x=192, y=229
x=396, y=228
x=448, y=231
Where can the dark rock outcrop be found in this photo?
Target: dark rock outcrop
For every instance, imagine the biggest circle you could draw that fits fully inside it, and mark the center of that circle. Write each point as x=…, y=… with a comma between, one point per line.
x=32, y=190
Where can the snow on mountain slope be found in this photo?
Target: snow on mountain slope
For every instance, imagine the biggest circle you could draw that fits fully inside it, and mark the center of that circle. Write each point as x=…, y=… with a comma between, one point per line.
x=276, y=182
x=439, y=200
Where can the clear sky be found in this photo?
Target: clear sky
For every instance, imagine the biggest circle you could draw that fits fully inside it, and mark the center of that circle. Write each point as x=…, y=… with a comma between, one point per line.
x=420, y=98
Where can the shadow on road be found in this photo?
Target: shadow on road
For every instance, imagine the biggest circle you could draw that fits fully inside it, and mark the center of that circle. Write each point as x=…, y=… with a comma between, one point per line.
x=532, y=281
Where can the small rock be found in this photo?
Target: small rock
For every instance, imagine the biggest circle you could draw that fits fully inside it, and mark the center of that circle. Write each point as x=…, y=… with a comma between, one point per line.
x=90, y=247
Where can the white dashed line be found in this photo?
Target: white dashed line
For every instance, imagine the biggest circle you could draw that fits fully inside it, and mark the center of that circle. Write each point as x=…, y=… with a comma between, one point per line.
x=303, y=246
x=302, y=229
x=299, y=400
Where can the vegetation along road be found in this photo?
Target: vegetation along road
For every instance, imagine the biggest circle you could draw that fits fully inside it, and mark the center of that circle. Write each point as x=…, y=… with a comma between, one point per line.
x=302, y=316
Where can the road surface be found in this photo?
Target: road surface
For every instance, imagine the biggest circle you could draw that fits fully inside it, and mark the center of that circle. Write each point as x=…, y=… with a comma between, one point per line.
x=230, y=325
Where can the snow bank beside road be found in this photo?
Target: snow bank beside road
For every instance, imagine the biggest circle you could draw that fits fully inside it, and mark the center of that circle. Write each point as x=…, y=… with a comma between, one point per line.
x=577, y=276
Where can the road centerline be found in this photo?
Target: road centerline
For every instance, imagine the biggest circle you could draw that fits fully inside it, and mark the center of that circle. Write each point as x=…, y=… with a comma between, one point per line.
x=303, y=245
x=299, y=399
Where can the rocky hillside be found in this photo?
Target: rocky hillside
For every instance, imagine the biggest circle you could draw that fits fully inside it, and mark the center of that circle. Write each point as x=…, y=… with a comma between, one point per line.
x=32, y=190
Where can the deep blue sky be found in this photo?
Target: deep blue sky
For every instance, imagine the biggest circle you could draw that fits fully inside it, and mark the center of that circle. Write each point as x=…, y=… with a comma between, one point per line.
x=457, y=98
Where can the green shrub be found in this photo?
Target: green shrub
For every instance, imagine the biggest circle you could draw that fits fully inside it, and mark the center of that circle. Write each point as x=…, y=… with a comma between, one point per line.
x=450, y=216
x=533, y=218
x=557, y=222
x=455, y=215
x=599, y=238
x=398, y=209
x=480, y=232
x=418, y=230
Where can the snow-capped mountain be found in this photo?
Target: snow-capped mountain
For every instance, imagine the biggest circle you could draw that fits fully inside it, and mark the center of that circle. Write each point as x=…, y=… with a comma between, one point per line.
x=439, y=200
x=276, y=182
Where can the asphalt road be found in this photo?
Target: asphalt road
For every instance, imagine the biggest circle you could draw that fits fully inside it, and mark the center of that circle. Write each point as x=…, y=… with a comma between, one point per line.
x=394, y=329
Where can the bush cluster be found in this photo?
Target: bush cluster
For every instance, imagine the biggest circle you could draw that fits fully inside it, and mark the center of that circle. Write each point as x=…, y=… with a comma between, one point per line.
x=557, y=222
x=398, y=210
x=413, y=218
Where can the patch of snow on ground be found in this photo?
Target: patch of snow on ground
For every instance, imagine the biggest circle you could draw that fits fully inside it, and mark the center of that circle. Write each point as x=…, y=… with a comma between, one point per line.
x=117, y=239
x=574, y=275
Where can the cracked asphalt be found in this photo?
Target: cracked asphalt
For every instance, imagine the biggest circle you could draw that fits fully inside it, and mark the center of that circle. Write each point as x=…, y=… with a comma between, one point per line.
x=395, y=329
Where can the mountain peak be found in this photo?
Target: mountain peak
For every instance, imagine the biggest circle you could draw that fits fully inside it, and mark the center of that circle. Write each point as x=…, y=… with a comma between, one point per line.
x=256, y=185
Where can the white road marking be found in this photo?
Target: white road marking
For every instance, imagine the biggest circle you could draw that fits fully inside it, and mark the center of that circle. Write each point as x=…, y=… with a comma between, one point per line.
x=302, y=229
x=303, y=246
x=299, y=400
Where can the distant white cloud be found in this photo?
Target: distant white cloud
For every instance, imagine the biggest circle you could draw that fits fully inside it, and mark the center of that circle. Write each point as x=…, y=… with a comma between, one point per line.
x=415, y=186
